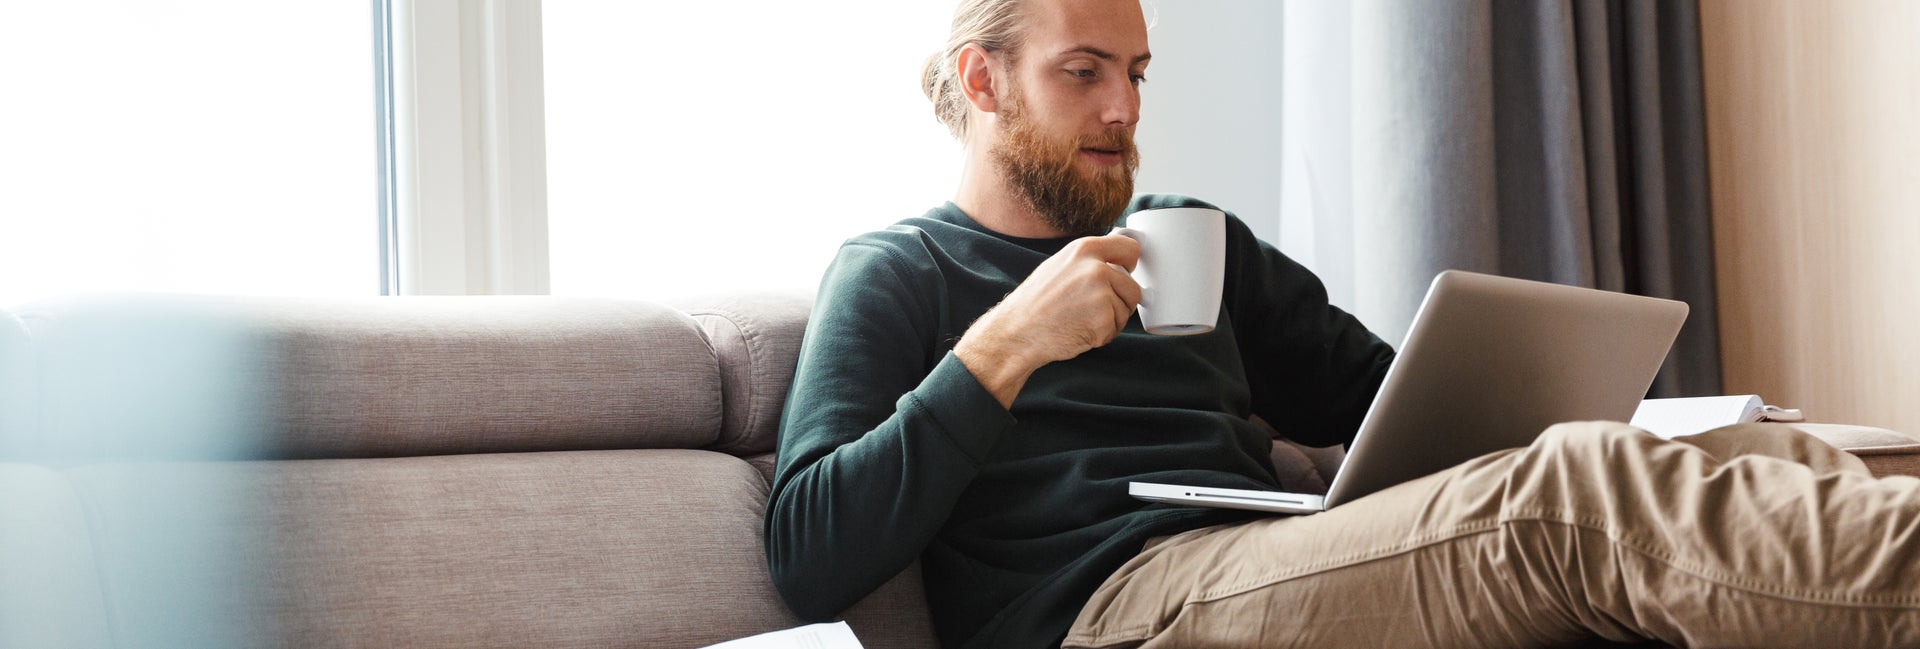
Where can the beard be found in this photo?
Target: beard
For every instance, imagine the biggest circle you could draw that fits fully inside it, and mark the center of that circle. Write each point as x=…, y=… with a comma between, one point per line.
x=1041, y=170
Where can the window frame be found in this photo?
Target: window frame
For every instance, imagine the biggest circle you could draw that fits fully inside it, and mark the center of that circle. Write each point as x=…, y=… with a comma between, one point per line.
x=467, y=162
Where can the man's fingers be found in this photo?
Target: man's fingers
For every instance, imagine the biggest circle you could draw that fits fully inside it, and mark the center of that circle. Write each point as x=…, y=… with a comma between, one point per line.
x=1068, y=288
x=1122, y=311
x=1115, y=249
x=1124, y=286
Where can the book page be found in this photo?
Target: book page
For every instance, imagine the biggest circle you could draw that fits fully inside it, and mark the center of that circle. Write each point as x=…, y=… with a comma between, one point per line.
x=1670, y=418
x=830, y=635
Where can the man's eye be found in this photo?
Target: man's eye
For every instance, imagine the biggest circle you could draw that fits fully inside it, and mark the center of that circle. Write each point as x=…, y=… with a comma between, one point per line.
x=1137, y=79
x=1084, y=74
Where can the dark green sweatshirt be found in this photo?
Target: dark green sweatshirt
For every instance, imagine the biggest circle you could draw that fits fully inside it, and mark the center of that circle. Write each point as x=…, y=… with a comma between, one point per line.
x=890, y=450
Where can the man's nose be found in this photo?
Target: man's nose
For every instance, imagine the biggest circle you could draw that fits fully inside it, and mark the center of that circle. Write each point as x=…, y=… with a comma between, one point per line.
x=1120, y=103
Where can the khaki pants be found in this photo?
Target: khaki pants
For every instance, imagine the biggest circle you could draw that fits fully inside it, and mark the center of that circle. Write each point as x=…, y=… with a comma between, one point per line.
x=1748, y=536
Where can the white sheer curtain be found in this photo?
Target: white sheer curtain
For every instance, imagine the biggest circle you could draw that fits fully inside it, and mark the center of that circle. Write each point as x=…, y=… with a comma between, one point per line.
x=1366, y=205
x=1316, y=188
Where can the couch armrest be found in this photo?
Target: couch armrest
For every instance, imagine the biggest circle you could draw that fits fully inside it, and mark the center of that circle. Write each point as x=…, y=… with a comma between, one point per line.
x=756, y=339
x=1885, y=452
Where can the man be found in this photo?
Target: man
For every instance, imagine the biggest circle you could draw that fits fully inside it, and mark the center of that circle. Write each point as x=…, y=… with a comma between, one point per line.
x=974, y=392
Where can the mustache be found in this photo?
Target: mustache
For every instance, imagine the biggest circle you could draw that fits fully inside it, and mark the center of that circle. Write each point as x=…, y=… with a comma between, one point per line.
x=1109, y=141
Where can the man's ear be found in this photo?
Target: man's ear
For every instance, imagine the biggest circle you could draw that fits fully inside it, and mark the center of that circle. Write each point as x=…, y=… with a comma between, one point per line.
x=977, y=82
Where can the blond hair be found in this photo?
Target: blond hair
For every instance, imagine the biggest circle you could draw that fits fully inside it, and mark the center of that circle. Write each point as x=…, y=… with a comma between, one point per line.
x=995, y=26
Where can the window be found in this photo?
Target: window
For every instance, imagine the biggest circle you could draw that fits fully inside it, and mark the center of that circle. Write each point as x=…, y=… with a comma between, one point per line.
x=219, y=146
x=700, y=147
x=656, y=150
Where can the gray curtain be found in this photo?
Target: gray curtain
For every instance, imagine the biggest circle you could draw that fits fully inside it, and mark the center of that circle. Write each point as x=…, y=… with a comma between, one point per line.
x=1557, y=140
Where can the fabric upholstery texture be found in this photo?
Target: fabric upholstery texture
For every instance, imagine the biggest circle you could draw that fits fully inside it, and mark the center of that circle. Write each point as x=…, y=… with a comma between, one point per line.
x=438, y=522
x=757, y=340
x=379, y=377
x=499, y=375
x=152, y=377
x=764, y=463
x=1302, y=469
x=1296, y=471
x=1901, y=464
x=578, y=549
x=1884, y=451
x=895, y=614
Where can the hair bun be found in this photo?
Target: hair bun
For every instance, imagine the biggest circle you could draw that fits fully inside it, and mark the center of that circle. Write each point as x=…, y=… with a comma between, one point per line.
x=930, y=81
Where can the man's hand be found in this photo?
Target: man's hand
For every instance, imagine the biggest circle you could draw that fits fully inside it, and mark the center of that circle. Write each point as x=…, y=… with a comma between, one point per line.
x=1077, y=300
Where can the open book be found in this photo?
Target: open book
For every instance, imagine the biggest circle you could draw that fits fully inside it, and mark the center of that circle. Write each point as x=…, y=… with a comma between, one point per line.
x=1670, y=418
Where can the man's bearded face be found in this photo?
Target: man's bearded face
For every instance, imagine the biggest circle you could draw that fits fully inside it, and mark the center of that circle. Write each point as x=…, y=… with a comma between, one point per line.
x=1077, y=199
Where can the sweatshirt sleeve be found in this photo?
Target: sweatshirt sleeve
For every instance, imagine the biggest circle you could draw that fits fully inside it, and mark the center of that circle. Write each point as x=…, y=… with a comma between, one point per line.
x=1312, y=368
x=882, y=432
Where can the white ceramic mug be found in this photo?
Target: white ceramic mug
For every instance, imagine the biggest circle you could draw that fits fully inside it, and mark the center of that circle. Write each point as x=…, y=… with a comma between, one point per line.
x=1183, y=257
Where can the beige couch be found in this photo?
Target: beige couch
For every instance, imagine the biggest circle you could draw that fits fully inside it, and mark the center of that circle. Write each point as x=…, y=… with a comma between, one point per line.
x=457, y=472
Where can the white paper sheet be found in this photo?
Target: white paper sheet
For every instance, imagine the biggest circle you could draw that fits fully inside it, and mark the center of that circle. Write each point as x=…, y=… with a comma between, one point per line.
x=1670, y=418
x=829, y=635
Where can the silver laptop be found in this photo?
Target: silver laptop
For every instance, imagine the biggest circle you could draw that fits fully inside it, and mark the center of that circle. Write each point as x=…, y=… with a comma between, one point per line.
x=1488, y=364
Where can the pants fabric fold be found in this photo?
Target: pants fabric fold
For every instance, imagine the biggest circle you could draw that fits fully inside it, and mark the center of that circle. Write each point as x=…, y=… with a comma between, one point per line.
x=1750, y=536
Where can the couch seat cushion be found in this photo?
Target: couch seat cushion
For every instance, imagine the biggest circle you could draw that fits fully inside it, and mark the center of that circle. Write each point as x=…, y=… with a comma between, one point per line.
x=623, y=548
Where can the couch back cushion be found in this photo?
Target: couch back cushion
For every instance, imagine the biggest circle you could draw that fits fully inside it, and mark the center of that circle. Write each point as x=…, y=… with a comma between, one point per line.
x=757, y=340
x=263, y=378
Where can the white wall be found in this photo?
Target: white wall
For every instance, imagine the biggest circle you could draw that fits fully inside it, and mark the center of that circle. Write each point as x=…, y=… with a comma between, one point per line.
x=1811, y=142
x=1210, y=110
